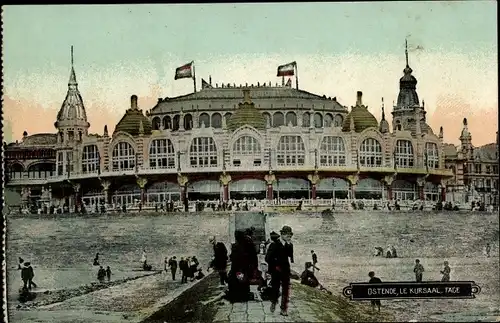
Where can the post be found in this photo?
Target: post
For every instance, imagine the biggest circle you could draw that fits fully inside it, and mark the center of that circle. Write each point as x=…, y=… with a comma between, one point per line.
x=282, y=81
x=194, y=78
x=296, y=76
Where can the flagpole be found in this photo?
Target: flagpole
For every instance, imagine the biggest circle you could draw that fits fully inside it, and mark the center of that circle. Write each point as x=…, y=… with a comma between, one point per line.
x=296, y=76
x=194, y=77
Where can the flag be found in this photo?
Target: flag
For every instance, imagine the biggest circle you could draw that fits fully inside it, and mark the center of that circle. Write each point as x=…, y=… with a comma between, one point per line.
x=286, y=70
x=205, y=85
x=184, y=71
x=289, y=83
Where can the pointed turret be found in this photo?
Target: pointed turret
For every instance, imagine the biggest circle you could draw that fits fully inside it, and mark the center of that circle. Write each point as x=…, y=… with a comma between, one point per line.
x=72, y=117
x=465, y=138
x=384, y=125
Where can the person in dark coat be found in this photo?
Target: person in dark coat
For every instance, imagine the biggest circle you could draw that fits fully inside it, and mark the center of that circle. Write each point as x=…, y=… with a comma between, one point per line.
x=418, y=270
x=108, y=273
x=239, y=275
x=220, y=260
x=101, y=274
x=20, y=265
x=183, y=266
x=314, y=259
x=307, y=277
x=25, y=275
x=277, y=258
x=374, y=280
x=252, y=253
x=172, y=263
x=193, y=268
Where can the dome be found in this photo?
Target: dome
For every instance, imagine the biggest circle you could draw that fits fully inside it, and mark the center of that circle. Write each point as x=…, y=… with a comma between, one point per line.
x=133, y=120
x=362, y=118
x=247, y=114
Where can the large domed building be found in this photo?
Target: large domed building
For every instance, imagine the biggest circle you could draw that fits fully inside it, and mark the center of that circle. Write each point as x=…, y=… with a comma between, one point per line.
x=228, y=142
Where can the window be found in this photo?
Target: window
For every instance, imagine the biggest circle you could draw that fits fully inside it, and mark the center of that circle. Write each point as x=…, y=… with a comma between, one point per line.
x=328, y=120
x=332, y=152
x=318, y=120
x=188, y=122
x=278, y=119
x=432, y=155
x=204, y=120
x=291, y=151
x=337, y=122
x=246, y=146
x=403, y=154
x=495, y=169
x=176, y=122
x=161, y=154
x=370, y=153
x=69, y=162
x=268, y=119
x=167, y=122
x=156, y=123
x=216, y=120
x=291, y=118
x=203, y=152
x=90, y=159
x=488, y=169
x=123, y=156
x=60, y=163
x=477, y=168
x=306, y=119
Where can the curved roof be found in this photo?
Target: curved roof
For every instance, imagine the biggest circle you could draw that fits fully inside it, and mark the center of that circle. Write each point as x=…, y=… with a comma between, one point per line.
x=246, y=114
x=40, y=139
x=133, y=121
x=362, y=118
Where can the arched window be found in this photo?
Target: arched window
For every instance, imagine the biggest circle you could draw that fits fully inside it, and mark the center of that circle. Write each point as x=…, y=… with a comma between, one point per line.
x=16, y=171
x=332, y=151
x=403, y=154
x=318, y=120
x=291, y=151
x=227, y=116
x=216, y=120
x=278, y=119
x=431, y=155
x=176, y=122
x=41, y=170
x=203, y=152
x=167, y=122
x=90, y=159
x=123, y=156
x=269, y=122
x=370, y=153
x=204, y=119
x=328, y=120
x=337, y=122
x=246, y=146
x=188, y=121
x=161, y=154
x=291, y=118
x=156, y=123
x=306, y=119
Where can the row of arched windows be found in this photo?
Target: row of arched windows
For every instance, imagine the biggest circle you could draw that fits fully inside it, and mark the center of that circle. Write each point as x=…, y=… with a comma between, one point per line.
x=277, y=119
x=290, y=151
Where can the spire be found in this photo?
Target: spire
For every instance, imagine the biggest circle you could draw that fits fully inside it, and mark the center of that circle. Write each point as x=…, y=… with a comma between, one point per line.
x=406, y=51
x=72, y=76
x=383, y=113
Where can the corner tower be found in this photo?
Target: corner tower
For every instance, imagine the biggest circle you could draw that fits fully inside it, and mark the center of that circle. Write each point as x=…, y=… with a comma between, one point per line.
x=72, y=122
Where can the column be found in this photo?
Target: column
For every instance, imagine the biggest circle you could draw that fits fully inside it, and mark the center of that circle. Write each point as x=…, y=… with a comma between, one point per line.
x=388, y=183
x=224, y=180
x=141, y=182
x=314, y=179
x=270, y=179
x=443, y=192
x=182, y=180
x=420, y=187
x=353, y=180
x=76, y=188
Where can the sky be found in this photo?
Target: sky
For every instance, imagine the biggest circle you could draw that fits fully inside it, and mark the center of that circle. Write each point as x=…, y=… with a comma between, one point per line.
x=340, y=48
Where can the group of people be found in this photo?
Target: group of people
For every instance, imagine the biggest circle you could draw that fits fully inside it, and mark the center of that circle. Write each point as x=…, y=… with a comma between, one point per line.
x=27, y=274
x=188, y=267
x=102, y=273
x=390, y=252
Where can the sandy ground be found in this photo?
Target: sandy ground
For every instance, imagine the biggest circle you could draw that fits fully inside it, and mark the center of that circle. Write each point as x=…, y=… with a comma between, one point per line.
x=62, y=250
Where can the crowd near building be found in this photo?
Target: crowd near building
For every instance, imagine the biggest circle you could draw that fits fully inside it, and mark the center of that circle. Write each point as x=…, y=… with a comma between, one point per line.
x=253, y=142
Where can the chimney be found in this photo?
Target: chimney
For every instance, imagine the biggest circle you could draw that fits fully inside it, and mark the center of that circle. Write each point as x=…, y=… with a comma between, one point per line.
x=359, y=101
x=133, y=102
x=210, y=80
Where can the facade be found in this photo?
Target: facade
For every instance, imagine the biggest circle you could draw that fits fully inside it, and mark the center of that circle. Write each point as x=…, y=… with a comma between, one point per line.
x=233, y=142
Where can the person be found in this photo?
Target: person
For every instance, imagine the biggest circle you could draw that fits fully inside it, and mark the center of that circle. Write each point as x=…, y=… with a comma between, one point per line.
x=314, y=259
x=239, y=275
x=307, y=277
x=101, y=273
x=108, y=273
x=96, y=259
x=200, y=274
x=488, y=250
x=374, y=280
x=446, y=272
x=388, y=252
x=144, y=259
x=277, y=258
x=25, y=276
x=418, y=270
x=165, y=264
x=394, y=253
x=262, y=247
x=378, y=251
x=220, y=260
x=193, y=267
x=21, y=261
x=183, y=266
x=172, y=263
x=252, y=253
x=31, y=275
